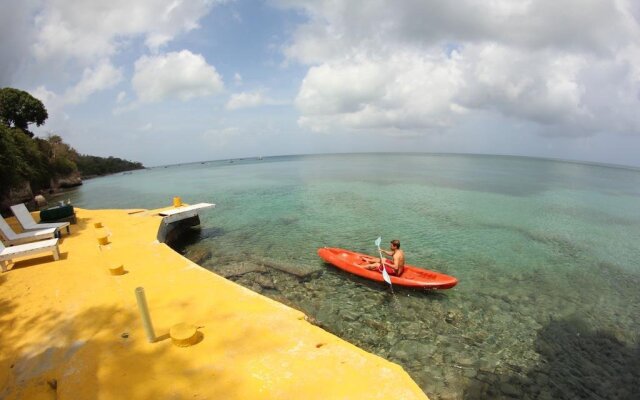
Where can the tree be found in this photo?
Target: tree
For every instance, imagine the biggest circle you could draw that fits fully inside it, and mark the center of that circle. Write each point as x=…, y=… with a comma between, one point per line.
x=13, y=164
x=95, y=166
x=62, y=157
x=21, y=160
x=19, y=109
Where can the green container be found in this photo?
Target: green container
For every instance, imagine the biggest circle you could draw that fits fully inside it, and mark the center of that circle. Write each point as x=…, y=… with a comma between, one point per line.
x=56, y=213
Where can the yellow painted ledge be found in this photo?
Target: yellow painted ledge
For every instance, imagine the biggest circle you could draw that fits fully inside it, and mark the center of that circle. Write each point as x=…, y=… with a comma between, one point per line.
x=71, y=330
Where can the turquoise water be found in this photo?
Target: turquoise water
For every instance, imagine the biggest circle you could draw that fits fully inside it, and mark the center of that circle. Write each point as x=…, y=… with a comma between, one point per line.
x=546, y=253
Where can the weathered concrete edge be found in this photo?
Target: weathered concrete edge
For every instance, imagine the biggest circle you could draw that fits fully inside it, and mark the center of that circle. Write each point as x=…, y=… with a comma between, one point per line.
x=170, y=232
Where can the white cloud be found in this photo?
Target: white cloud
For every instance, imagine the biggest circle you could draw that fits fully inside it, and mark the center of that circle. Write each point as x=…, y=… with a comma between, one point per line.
x=246, y=100
x=180, y=75
x=102, y=76
x=80, y=38
x=406, y=91
x=58, y=41
x=237, y=79
x=93, y=29
x=51, y=101
x=424, y=66
x=337, y=25
x=535, y=86
x=146, y=127
x=58, y=118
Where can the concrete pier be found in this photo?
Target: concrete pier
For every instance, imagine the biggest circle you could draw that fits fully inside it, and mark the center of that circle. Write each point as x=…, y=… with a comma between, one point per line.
x=71, y=329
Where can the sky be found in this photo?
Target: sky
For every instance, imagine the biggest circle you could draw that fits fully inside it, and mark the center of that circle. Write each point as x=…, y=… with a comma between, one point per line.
x=174, y=81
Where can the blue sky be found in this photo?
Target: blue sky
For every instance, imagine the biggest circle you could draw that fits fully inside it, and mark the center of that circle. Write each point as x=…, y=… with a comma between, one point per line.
x=169, y=81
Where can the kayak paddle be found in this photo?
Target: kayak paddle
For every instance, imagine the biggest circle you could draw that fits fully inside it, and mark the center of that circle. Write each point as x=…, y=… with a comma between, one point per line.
x=385, y=275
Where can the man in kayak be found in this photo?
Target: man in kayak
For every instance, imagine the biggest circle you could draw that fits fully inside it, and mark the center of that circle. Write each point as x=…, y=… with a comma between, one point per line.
x=393, y=268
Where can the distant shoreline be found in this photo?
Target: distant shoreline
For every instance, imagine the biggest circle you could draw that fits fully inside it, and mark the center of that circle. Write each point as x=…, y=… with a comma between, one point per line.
x=266, y=158
x=86, y=178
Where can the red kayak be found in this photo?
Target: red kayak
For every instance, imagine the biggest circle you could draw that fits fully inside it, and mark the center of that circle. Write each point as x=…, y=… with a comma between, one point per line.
x=415, y=277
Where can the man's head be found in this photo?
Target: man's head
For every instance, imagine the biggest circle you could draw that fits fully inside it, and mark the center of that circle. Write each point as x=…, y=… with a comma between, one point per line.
x=395, y=244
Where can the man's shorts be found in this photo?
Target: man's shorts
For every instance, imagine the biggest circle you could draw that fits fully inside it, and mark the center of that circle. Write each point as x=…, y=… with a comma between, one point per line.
x=387, y=266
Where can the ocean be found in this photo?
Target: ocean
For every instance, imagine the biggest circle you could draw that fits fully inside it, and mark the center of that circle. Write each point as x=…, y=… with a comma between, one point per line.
x=546, y=252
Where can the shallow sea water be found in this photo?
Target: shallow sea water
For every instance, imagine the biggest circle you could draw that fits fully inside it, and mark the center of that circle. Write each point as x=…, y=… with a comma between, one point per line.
x=546, y=253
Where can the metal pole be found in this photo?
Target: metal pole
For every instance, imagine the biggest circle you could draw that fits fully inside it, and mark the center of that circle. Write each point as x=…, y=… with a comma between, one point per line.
x=144, y=313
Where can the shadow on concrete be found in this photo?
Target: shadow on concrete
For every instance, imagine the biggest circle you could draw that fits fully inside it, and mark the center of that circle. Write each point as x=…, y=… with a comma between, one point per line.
x=101, y=352
x=575, y=362
x=32, y=261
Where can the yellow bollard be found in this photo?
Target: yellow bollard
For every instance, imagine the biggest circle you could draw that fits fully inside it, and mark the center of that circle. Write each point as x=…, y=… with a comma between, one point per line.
x=116, y=269
x=184, y=335
x=177, y=201
x=102, y=235
x=103, y=238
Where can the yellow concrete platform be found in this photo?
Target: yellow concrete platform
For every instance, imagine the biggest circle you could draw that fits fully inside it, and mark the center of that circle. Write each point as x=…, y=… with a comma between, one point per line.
x=69, y=329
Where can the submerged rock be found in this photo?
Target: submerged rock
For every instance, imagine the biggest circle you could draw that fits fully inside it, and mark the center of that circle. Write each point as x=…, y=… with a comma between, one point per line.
x=238, y=269
x=510, y=390
x=265, y=281
x=198, y=255
x=298, y=269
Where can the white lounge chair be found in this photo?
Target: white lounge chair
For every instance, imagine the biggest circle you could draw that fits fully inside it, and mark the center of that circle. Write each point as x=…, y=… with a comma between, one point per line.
x=9, y=253
x=25, y=219
x=11, y=238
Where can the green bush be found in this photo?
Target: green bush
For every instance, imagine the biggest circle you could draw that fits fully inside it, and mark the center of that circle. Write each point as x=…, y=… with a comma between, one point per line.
x=21, y=161
x=63, y=166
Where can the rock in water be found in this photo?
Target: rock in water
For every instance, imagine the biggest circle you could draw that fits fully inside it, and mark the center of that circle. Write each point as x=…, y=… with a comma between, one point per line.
x=298, y=269
x=237, y=269
x=198, y=255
